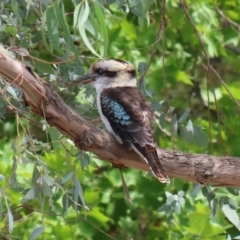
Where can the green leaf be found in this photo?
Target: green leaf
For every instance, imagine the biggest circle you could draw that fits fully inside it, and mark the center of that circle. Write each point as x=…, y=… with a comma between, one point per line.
x=11, y=30
x=177, y=208
x=92, y=25
x=229, y=201
x=189, y=126
x=168, y=194
x=232, y=215
x=12, y=91
x=15, y=8
x=208, y=96
x=29, y=195
x=43, y=31
x=199, y=223
x=142, y=66
x=181, y=193
x=181, y=201
x=155, y=106
x=65, y=204
x=99, y=216
x=2, y=177
x=0, y=208
x=78, y=191
x=10, y=216
x=36, y=232
x=164, y=207
x=194, y=134
x=214, y=206
x=85, y=161
x=174, y=124
x=29, y=3
x=54, y=134
x=52, y=27
x=170, y=200
x=67, y=177
x=81, y=14
x=102, y=27
x=232, y=14
x=86, y=41
x=44, y=67
x=200, y=137
x=162, y=120
x=183, y=77
x=10, y=220
x=184, y=116
x=36, y=175
x=208, y=193
x=233, y=191
x=66, y=32
x=169, y=211
x=76, y=14
x=46, y=190
x=48, y=179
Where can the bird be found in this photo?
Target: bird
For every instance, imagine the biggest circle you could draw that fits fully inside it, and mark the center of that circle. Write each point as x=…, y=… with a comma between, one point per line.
x=123, y=109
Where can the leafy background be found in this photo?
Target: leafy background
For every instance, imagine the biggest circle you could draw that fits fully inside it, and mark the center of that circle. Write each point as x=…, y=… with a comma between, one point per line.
x=51, y=190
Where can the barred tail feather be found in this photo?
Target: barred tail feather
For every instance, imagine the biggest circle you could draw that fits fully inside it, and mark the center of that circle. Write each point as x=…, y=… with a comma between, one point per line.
x=149, y=154
x=156, y=166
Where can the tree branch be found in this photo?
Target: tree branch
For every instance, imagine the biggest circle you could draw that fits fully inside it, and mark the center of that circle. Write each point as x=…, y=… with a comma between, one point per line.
x=219, y=171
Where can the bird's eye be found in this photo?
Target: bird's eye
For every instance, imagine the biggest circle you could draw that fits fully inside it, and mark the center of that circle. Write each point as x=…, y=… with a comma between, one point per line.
x=100, y=71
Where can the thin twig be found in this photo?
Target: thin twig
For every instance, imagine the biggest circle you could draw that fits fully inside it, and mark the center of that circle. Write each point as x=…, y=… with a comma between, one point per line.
x=163, y=67
x=154, y=45
x=209, y=67
x=228, y=20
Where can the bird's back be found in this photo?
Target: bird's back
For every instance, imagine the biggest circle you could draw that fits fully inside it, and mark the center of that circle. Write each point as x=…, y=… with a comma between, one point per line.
x=130, y=118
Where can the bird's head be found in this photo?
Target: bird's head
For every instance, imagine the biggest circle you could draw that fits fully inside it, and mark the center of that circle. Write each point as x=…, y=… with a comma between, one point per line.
x=109, y=73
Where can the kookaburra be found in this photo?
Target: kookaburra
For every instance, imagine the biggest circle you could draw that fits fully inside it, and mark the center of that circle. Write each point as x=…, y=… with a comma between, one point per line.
x=124, y=111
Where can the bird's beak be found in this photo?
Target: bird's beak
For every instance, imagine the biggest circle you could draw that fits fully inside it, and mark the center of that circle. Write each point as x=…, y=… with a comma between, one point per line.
x=85, y=79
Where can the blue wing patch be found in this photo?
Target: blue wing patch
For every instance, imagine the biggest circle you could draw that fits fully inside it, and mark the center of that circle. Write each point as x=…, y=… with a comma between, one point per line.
x=115, y=111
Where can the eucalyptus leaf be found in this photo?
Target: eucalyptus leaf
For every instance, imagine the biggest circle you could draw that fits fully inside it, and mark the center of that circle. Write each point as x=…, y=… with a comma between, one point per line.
x=29, y=195
x=162, y=120
x=233, y=191
x=1, y=210
x=46, y=190
x=65, y=204
x=214, y=207
x=86, y=41
x=54, y=134
x=184, y=116
x=177, y=208
x=169, y=210
x=67, y=177
x=36, y=232
x=10, y=216
x=174, y=124
x=164, y=207
x=232, y=215
x=78, y=191
x=103, y=28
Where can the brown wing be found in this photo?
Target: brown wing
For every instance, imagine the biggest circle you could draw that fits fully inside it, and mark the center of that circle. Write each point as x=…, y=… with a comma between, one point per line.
x=130, y=117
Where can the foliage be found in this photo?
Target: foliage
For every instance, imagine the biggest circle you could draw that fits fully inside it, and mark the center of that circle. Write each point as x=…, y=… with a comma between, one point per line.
x=49, y=189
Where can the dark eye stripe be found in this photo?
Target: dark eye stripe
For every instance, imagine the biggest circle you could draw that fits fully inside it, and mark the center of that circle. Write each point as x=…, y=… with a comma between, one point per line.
x=132, y=73
x=110, y=74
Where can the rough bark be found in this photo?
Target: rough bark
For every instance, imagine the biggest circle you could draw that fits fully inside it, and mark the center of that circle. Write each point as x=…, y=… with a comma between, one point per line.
x=219, y=171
